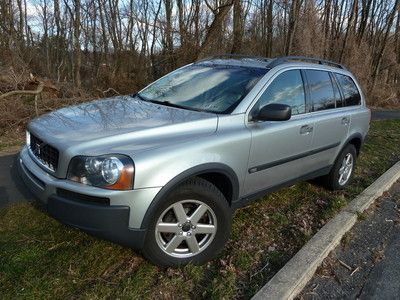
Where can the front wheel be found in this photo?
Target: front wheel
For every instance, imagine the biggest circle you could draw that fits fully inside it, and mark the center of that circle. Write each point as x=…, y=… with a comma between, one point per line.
x=191, y=225
x=343, y=169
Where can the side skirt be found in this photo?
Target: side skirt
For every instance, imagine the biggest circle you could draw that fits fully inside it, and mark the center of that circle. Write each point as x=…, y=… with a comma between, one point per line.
x=245, y=200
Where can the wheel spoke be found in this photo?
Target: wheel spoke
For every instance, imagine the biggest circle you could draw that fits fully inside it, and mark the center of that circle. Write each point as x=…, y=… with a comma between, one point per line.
x=348, y=160
x=168, y=227
x=341, y=170
x=198, y=213
x=346, y=177
x=174, y=243
x=205, y=229
x=341, y=178
x=180, y=212
x=193, y=244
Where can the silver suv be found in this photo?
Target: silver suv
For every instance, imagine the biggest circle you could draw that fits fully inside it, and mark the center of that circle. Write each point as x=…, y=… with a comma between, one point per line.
x=163, y=170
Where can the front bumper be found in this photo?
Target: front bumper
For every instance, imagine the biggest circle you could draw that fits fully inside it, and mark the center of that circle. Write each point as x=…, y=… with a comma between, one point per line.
x=119, y=221
x=106, y=222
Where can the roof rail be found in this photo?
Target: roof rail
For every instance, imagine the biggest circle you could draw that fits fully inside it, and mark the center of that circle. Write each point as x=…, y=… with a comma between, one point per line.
x=236, y=56
x=284, y=59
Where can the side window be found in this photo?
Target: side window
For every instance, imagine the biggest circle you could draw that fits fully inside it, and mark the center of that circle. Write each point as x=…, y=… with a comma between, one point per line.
x=338, y=96
x=350, y=90
x=321, y=89
x=287, y=88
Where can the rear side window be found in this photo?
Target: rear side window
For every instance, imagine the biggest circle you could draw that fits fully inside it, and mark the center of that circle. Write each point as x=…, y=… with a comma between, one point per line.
x=349, y=89
x=338, y=97
x=321, y=90
x=287, y=88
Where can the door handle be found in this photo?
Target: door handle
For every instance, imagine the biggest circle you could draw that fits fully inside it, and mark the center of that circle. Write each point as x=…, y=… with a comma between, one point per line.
x=306, y=129
x=345, y=121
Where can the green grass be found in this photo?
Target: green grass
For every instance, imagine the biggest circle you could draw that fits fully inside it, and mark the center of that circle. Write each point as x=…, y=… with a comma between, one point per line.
x=41, y=258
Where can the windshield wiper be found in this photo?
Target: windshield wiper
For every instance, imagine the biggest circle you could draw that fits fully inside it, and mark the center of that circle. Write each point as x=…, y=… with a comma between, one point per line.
x=140, y=97
x=167, y=103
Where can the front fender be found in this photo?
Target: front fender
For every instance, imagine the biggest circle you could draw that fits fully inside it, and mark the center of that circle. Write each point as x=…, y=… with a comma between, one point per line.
x=192, y=172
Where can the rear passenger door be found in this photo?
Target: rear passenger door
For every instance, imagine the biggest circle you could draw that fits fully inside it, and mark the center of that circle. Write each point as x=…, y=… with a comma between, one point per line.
x=331, y=123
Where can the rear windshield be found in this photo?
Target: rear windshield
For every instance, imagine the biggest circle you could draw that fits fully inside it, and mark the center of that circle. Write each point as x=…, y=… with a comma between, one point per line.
x=212, y=88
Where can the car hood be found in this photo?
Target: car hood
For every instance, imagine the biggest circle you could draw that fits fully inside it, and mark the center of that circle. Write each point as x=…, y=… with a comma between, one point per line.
x=121, y=124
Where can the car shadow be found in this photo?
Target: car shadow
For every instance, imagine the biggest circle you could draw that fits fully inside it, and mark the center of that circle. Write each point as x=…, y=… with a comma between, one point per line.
x=12, y=188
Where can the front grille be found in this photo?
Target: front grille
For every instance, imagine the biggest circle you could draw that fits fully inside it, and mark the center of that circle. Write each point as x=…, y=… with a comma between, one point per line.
x=45, y=153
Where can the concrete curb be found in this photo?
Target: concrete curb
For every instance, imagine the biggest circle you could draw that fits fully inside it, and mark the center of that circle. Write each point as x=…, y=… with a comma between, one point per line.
x=294, y=276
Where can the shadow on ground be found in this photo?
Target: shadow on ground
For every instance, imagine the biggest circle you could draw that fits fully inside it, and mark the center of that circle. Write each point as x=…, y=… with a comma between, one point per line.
x=12, y=189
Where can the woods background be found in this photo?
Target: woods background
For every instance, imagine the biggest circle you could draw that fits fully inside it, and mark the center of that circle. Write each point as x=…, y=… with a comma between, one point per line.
x=79, y=50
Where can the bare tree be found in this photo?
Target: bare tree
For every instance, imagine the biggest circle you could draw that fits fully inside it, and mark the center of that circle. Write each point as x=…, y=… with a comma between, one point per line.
x=237, y=26
x=123, y=44
x=214, y=30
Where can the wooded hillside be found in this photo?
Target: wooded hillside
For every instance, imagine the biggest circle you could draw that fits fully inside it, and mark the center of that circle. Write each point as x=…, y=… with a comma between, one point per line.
x=125, y=44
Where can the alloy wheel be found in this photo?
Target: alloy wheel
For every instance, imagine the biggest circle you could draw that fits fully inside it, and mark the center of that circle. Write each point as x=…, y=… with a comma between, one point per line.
x=186, y=228
x=346, y=169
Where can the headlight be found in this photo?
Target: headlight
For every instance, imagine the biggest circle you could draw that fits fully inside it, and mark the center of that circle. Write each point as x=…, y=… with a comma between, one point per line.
x=108, y=171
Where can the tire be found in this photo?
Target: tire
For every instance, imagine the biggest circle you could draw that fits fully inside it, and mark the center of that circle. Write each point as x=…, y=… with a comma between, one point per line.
x=169, y=227
x=333, y=180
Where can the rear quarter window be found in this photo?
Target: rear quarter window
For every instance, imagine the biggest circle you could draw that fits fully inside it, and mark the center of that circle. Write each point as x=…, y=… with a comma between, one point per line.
x=350, y=91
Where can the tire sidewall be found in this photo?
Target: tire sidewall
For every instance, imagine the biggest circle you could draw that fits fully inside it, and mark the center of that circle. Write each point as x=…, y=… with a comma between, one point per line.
x=205, y=192
x=338, y=163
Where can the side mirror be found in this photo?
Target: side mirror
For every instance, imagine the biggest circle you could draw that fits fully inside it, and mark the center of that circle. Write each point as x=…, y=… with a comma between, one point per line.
x=274, y=112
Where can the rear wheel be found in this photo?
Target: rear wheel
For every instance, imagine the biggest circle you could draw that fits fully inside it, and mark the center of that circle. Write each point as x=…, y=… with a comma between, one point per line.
x=343, y=169
x=191, y=225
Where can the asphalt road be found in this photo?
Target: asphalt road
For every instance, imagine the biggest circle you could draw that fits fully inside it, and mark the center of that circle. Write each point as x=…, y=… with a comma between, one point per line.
x=366, y=265
x=385, y=114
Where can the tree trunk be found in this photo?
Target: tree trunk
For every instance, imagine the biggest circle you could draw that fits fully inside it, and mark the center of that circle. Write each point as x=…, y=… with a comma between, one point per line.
x=353, y=12
x=384, y=44
x=270, y=28
x=214, y=30
x=293, y=16
x=182, y=27
x=77, y=45
x=168, y=28
x=237, y=26
x=20, y=24
x=169, y=45
x=327, y=14
x=397, y=37
x=364, y=19
x=103, y=30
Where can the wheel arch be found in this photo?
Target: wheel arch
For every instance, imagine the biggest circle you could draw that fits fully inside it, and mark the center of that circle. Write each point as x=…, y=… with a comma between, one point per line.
x=356, y=140
x=221, y=175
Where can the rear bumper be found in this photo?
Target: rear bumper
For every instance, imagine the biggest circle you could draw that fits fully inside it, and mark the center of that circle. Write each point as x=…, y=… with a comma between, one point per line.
x=106, y=222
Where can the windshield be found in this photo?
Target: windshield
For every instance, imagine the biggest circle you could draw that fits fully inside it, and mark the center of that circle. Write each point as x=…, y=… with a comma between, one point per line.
x=212, y=88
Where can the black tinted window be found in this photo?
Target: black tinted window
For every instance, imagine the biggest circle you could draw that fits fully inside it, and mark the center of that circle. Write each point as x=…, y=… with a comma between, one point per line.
x=349, y=88
x=287, y=88
x=321, y=89
x=338, y=97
